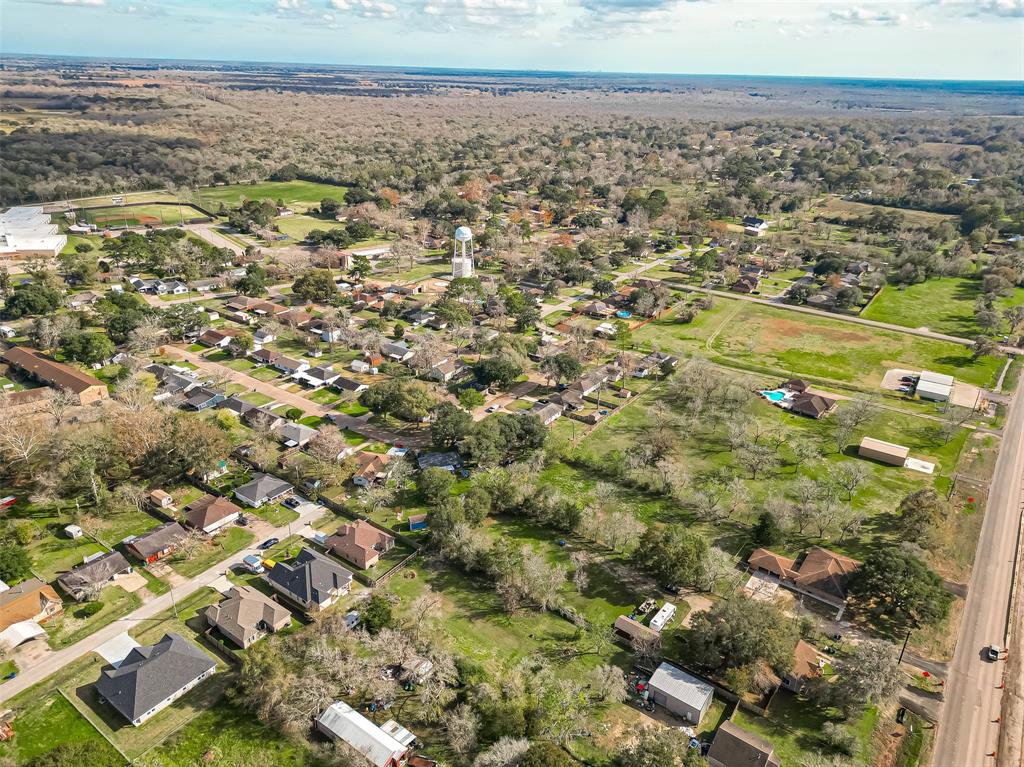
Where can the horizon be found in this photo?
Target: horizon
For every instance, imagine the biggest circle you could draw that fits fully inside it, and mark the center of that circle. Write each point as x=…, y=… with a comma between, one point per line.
x=116, y=60
x=938, y=40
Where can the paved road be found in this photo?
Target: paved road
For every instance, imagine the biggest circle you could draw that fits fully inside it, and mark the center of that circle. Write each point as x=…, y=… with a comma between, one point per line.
x=209, y=233
x=61, y=658
x=968, y=730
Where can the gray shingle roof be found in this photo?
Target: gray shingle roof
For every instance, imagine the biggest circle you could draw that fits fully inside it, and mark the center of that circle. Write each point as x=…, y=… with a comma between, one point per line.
x=98, y=571
x=262, y=486
x=150, y=674
x=159, y=539
x=310, y=578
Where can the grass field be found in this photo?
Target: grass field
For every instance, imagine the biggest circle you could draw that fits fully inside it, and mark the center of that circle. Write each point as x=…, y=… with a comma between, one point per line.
x=848, y=208
x=297, y=227
x=158, y=215
x=944, y=305
x=45, y=720
x=295, y=194
x=783, y=342
x=233, y=539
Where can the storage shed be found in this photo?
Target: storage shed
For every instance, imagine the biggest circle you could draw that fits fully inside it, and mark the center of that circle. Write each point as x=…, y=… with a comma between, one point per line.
x=885, y=452
x=680, y=693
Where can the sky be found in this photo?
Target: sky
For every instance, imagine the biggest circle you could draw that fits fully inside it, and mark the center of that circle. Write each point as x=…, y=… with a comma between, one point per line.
x=942, y=39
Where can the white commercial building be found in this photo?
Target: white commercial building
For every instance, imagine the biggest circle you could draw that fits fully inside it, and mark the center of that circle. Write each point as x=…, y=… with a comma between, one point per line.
x=27, y=231
x=936, y=387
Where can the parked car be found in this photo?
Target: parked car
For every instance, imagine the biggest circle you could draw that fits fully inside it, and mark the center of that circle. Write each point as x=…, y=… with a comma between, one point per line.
x=292, y=503
x=992, y=652
x=491, y=409
x=242, y=520
x=268, y=543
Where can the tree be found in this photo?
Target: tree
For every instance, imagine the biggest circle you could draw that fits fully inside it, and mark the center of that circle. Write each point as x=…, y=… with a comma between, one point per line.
x=29, y=300
x=561, y=367
x=921, y=512
x=450, y=424
x=505, y=752
x=15, y=562
x=608, y=682
x=741, y=631
x=502, y=370
x=673, y=554
x=982, y=347
x=360, y=267
x=435, y=485
x=316, y=285
x=89, y=348
x=660, y=747
x=767, y=531
x=471, y=399
x=544, y=753
x=896, y=583
x=375, y=614
x=869, y=675
x=603, y=286
x=462, y=726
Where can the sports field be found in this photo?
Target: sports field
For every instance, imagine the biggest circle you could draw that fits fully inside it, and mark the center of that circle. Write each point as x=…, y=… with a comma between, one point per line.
x=295, y=194
x=139, y=215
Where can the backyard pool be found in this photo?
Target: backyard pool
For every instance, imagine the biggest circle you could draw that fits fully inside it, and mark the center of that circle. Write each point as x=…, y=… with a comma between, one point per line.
x=776, y=395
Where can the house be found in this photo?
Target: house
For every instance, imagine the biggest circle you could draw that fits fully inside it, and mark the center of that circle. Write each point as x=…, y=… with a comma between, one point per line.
x=634, y=631
x=449, y=461
x=349, y=385
x=236, y=405
x=448, y=370
x=598, y=309
x=735, y=747
x=820, y=574
x=157, y=544
x=84, y=387
x=211, y=513
x=341, y=722
x=797, y=385
x=680, y=693
x=289, y=366
x=418, y=522
x=262, y=418
x=322, y=375
x=263, y=336
x=569, y=399
x=754, y=226
x=548, y=413
x=203, y=398
x=811, y=405
x=265, y=356
x=398, y=352
x=882, y=451
x=171, y=380
x=654, y=363
x=87, y=578
x=261, y=489
x=206, y=284
x=246, y=615
x=296, y=434
x=360, y=543
x=312, y=580
x=747, y=283
x=174, y=287
x=805, y=667
x=214, y=338
x=370, y=468
x=30, y=600
x=85, y=298
x=360, y=366
x=151, y=677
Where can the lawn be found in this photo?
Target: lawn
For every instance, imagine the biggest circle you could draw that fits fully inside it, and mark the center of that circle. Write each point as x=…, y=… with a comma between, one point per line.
x=943, y=304
x=75, y=624
x=785, y=343
x=352, y=408
x=275, y=514
x=45, y=720
x=257, y=398
x=297, y=227
x=139, y=214
x=236, y=738
x=224, y=544
x=295, y=194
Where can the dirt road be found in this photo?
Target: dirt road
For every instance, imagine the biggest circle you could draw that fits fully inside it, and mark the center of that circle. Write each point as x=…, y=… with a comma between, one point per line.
x=970, y=726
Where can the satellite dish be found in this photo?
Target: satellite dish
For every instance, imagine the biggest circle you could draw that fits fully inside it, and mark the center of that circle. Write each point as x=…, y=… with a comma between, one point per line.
x=463, y=234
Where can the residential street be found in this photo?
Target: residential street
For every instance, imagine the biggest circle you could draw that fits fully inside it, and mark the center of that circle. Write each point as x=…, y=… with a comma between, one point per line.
x=969, y=728
x=61, y=658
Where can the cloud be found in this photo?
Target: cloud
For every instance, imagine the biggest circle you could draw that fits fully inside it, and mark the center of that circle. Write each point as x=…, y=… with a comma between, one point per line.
x=1007, y=8
x=604, y=18
x=366, y=9
x=69, y=3
x=867, y=17
x=510, y=15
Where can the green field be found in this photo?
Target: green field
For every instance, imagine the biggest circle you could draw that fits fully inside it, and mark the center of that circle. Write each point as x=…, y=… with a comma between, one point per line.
x=944, y=305
x=294, y=194
x=158, y=215
x=297, y=227
x=788, y=343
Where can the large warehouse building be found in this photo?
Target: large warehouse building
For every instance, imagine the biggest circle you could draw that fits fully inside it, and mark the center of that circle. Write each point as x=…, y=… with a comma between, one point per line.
x=27, y=232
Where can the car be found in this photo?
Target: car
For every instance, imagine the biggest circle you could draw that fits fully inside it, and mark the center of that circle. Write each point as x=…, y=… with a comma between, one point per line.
x=992, y=652
x=292, y=503
x=836, y=637
x=268, y=543
x=904, y=389
x=491, y=409
x=242, y=520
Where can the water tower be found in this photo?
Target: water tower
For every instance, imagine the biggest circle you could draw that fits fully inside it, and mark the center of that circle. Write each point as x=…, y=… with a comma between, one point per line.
x=462, y=253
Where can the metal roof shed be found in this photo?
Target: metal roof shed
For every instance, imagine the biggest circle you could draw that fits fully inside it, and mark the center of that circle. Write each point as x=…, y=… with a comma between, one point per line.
x=936, y=378
x=340, y=721
x=885, y=452
x=936, y=392
x=680, y=693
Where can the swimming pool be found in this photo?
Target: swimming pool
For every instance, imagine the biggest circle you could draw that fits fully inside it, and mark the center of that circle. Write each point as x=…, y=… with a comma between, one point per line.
x=776, y=395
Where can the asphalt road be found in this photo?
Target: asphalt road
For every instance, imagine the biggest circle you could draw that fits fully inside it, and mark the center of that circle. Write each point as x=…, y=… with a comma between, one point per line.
x=970, y=728
x=54, y=662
